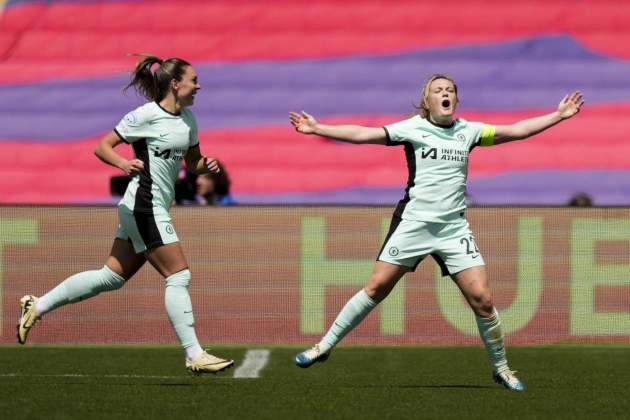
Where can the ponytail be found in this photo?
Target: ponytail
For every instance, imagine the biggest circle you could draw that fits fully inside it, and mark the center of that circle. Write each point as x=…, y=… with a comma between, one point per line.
x=154, y=85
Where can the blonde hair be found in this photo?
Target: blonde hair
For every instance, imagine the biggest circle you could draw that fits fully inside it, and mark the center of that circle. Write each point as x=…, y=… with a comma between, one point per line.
x=423, y=107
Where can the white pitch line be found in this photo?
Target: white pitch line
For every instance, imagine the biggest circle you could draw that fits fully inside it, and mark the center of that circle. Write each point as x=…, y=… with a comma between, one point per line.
x=254, y=361
x=79, y=375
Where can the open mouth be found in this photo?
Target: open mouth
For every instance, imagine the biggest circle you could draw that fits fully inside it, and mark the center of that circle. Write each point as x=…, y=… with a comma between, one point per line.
x=446, y=103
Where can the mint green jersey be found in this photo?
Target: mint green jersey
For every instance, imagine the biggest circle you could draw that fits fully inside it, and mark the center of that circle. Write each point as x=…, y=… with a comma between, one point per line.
x=437, y=159
x=160, y=139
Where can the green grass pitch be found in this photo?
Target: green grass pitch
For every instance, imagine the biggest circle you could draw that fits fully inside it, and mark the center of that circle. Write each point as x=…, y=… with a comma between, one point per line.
x=357, y=382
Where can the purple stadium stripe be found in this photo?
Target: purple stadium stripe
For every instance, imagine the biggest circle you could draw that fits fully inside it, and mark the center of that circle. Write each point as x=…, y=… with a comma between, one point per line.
x=523, y=74
x=23, y=2
x=552, y=187
x=515, y=188
x=361, y=195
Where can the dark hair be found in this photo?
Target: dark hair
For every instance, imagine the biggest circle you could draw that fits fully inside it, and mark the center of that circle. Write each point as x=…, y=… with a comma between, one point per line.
x=186, y=186
x=154, y=85
x=222, y=181
x=580, y=200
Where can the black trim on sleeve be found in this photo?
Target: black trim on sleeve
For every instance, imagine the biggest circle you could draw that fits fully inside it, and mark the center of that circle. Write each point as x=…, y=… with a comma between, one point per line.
x=120, y=136
x=389, y=141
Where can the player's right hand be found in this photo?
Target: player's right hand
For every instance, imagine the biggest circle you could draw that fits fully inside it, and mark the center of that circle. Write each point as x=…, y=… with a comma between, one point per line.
x=303, y=122
x=132, y=167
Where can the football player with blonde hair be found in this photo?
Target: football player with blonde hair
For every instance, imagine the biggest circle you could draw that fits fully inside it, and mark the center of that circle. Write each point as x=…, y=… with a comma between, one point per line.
x=429, y=219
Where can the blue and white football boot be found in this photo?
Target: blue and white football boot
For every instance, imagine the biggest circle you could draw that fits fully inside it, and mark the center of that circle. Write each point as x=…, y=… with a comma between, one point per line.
x=310, y=356
x=509, y=380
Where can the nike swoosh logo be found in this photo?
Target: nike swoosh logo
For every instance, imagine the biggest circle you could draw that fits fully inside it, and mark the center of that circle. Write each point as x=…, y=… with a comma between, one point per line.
x=424, y=136
x=164, y=135
x=474, y=256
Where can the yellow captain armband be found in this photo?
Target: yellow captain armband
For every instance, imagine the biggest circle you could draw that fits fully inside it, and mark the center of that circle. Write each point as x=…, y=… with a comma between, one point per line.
x=487, y=135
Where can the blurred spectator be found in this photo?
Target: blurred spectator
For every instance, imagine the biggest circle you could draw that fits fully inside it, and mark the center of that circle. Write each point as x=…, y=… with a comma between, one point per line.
x=581, y=200
x=185, y=187
x=207, y=189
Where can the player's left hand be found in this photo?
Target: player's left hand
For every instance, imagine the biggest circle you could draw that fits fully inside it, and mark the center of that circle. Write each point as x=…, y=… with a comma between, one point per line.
x=303, y=122
x=570, y=105
x=211, y=164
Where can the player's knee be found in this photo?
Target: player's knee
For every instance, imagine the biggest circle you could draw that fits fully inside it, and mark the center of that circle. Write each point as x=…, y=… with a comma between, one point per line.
x=483, y=304
x=110, y=280
x=179, y=279
x=377, y=289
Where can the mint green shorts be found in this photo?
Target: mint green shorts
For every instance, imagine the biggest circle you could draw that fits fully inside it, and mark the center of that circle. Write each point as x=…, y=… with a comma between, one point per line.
x=145, y=230
x=452, y=245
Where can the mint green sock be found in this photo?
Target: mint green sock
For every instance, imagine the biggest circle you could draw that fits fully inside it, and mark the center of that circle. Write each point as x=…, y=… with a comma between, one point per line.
x=179, y=309
x=350, y=316
x=79, y=287
x=492, y=336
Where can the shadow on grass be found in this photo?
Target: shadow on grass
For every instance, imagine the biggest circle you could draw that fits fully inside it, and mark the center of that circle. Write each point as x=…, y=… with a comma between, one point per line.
x=449, y=386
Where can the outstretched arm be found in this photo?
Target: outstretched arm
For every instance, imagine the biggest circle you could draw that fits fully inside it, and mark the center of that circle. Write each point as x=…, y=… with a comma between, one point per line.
x=306, y=124
x=568, y=107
